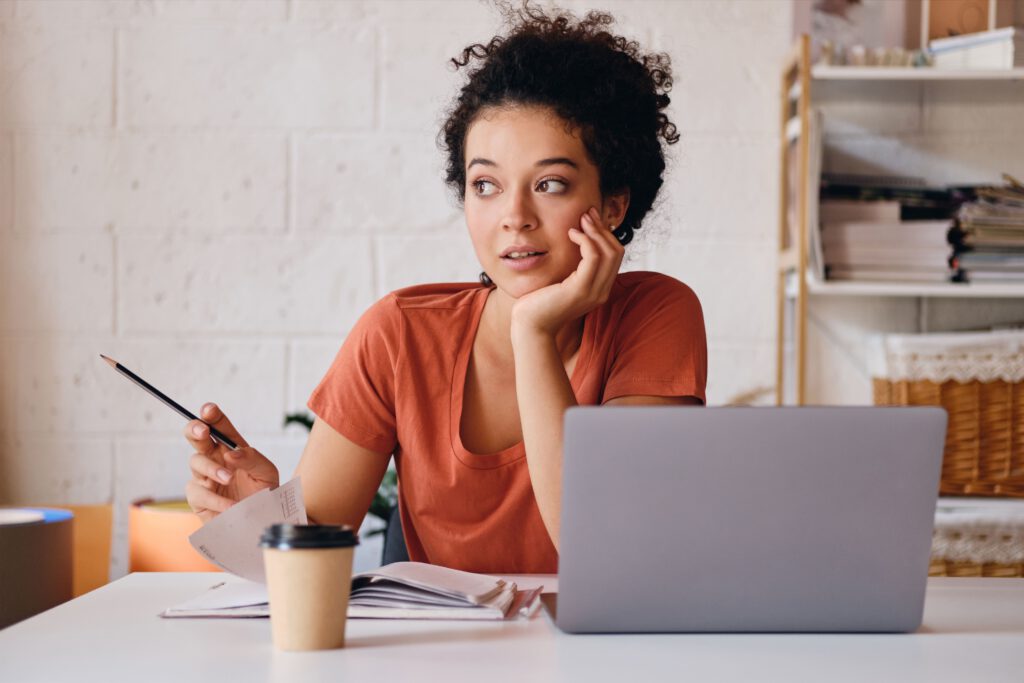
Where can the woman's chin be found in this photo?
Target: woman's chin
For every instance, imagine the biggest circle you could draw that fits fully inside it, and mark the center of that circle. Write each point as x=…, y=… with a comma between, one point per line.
x=517, y=288
x=518, y=285
x=520, y=291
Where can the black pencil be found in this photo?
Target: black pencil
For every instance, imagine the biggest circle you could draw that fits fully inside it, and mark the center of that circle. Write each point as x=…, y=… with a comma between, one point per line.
x=167, y=400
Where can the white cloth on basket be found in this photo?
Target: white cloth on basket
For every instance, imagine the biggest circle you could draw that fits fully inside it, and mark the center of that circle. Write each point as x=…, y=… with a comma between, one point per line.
x=956, y=356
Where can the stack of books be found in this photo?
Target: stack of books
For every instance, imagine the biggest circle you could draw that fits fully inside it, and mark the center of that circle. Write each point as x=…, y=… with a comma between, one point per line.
x=886, y=229
x=1002, y=48
x=988, y=238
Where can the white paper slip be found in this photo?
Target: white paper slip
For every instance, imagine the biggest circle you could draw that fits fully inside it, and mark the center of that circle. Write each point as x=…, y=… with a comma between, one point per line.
x=230, y=596
x=231, y=540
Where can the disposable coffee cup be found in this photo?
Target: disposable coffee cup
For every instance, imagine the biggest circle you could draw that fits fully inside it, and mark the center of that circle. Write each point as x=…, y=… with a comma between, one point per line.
x=309, y=575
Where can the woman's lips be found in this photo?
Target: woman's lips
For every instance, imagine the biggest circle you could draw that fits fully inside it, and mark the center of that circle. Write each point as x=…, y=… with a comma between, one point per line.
x=525, y=263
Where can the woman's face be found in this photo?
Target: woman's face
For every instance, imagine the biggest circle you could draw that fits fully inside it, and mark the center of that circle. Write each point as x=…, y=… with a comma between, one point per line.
x=528, y=181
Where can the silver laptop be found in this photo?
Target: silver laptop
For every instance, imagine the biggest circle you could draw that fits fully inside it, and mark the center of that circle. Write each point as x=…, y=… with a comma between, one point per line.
x=688, y=519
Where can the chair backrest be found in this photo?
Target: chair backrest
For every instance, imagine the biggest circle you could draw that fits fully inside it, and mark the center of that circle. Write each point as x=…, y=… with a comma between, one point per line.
x=394, y=540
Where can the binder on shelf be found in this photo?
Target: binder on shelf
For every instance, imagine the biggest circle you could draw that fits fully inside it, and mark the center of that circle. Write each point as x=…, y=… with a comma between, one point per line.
x=1002, y=48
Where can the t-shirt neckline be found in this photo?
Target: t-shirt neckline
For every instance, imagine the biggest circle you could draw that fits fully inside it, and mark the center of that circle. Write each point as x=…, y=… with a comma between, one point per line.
x=516, y=451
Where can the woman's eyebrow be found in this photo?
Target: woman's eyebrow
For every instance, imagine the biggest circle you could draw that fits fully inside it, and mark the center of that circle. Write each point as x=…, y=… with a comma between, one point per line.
x=551, y=161
x=557, y=160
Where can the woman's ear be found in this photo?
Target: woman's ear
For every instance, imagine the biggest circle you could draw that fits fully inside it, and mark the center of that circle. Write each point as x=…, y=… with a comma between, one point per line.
x=613, y=209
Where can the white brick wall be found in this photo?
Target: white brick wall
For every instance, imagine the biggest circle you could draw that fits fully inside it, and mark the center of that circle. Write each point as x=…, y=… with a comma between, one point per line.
x=248, y=76
x=212, y=192
x=56, y=74
x=370, y=183
x=151, y=182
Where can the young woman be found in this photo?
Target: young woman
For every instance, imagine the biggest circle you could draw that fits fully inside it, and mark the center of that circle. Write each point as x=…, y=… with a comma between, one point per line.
x=555, y=148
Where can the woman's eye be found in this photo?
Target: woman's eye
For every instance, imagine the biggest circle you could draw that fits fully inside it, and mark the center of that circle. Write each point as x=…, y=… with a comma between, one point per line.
x=484, y=188
x=552, y=186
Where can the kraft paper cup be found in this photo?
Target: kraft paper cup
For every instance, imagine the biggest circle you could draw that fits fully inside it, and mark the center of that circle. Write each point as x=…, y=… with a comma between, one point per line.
x=309, y=575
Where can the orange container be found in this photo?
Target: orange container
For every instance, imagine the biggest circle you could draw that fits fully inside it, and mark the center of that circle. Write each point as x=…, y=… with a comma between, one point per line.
x=158, y=534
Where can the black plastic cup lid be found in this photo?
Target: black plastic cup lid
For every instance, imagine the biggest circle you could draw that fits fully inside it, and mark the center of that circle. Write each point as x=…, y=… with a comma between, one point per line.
x=286, y=536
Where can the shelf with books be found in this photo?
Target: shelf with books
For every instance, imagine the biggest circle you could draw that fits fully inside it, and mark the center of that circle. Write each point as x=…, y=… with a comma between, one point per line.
x=943, y=137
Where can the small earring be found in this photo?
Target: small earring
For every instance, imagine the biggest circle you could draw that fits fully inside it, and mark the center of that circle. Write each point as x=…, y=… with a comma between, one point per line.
x=486, y=280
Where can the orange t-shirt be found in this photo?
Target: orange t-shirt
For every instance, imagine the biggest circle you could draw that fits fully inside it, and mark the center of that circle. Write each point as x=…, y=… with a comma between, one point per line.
x=397, y=383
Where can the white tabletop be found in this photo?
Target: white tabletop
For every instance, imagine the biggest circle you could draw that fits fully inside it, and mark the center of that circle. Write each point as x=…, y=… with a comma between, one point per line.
x=973, y=632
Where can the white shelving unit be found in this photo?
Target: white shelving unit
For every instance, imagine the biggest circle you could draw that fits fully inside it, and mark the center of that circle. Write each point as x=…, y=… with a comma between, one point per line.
x=888, y=73
x=797, y=282
x=985, y=290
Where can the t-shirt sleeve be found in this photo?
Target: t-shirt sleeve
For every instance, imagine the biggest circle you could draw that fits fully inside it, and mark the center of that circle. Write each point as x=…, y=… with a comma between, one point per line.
x=357, y=395
x=660, y=348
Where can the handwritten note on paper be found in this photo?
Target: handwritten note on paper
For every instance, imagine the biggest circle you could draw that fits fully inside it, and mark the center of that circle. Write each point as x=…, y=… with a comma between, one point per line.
x=231, y=540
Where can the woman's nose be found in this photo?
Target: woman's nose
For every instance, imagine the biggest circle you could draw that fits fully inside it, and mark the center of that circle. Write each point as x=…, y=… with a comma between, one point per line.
x=519, y=212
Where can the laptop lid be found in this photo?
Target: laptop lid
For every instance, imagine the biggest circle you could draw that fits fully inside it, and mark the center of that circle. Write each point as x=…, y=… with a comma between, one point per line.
x=792, y=519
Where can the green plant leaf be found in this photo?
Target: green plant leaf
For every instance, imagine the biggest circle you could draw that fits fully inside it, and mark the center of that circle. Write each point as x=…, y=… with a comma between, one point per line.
x=299, y=418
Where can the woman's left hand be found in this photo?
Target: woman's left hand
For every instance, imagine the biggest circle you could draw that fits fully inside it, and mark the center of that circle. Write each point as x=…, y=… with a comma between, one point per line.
x=549, y=308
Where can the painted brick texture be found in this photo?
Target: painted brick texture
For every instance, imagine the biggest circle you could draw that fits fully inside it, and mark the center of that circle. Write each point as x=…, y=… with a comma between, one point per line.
x=213, y=191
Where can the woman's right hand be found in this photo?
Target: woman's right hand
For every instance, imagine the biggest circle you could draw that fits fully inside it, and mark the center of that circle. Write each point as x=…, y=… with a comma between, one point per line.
x=220, y=476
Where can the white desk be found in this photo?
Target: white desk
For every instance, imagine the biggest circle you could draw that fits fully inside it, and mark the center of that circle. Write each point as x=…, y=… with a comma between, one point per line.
x=973, y=632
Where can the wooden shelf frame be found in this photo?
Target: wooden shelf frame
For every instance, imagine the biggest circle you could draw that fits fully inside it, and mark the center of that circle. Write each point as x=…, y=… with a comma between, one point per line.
x=796, y=84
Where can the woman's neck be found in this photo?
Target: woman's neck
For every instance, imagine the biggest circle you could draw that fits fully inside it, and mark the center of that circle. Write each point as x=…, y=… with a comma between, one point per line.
x=497, y=323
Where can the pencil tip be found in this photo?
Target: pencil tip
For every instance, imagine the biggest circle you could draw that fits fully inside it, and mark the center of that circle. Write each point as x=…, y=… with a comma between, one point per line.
x=111, y=361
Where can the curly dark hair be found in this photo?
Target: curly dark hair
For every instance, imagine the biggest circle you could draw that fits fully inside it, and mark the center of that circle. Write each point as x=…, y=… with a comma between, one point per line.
x=601, y=84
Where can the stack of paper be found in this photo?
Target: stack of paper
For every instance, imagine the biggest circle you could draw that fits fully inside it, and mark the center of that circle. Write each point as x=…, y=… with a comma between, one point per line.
x=866, y=240
x=989, y=236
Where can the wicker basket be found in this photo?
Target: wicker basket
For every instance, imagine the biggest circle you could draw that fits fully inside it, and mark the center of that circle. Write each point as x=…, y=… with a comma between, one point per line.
x=979, y=380
x=978, y=538
x=941, y=567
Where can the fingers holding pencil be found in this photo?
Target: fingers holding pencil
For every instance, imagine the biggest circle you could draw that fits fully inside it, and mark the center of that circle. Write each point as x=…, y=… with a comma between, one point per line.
x=220, y=476
x=198, y=432
x=214, y=417
x=225, y=469
x=216, y=485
